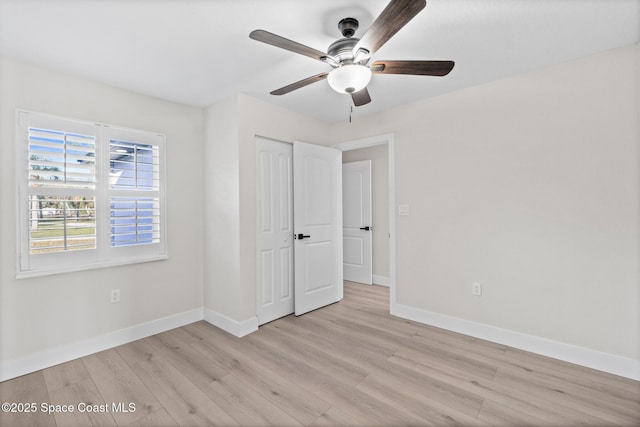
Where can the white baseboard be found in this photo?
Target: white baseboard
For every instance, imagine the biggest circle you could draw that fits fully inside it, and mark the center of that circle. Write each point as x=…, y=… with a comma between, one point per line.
x=618, y=365
x=380, y=280
x=47, y=358
x=239, y=329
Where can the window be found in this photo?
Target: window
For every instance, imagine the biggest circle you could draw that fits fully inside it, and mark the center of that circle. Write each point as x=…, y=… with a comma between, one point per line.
x=62, y=182
x=134, y=192
x=89, y=195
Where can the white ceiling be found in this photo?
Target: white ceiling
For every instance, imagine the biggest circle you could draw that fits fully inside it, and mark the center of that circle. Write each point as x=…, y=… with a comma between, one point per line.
x=198, y=51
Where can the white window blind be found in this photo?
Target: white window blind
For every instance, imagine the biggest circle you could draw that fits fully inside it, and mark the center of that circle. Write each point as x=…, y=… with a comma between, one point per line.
x=134, y=201
x=61, y=186
x=134, y=166
x=61, y=159
x=134, y=220
x=89, y=195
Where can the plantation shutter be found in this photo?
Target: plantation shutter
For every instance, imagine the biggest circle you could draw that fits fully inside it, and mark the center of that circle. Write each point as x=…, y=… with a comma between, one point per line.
x=134, y=188
x=61, y=185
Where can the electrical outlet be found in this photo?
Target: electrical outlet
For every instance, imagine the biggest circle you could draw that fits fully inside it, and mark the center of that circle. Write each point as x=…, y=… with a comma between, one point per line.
x=115, y=295
x=476, y=288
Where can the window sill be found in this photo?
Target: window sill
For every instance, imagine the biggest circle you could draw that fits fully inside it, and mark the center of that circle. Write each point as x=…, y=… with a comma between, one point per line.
x=72, y=269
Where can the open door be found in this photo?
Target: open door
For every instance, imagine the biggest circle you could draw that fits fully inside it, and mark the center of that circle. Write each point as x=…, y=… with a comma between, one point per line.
x=317, y=208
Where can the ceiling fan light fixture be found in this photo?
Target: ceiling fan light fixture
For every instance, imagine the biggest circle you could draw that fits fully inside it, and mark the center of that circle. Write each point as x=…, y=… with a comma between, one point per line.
x=349, y=78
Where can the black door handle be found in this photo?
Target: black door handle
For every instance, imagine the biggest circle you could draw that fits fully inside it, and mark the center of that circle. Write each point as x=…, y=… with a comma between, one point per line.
x=301, y=236
x=367, y=228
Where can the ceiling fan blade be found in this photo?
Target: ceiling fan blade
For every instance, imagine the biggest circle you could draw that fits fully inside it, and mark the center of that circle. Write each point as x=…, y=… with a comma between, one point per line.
x=361, y=97
x=301, y=83
x=283, y=43
x=418, y=68
x=395, y=16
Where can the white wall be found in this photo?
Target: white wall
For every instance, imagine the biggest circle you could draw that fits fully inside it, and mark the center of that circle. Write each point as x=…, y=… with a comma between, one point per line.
x=531, y=186
x=45, y=313
x=221, y=207
x=379, y=203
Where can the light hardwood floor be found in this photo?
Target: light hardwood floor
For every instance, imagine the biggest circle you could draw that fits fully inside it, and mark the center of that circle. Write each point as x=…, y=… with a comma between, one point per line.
x=346, y=364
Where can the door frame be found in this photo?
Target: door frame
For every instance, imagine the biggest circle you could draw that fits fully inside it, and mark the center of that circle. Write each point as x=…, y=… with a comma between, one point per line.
x=389, y=140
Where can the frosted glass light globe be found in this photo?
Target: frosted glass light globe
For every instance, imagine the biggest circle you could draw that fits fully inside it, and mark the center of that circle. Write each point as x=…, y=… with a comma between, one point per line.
x=349, y=78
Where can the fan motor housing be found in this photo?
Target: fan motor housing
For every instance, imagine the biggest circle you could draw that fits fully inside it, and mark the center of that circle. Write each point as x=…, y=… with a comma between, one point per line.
x=343, y=49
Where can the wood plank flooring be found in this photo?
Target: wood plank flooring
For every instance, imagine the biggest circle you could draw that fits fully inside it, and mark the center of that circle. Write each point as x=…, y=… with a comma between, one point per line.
x=347, y=364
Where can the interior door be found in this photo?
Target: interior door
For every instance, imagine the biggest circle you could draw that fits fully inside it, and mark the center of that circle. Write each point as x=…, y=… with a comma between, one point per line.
x=317, y=207
x=356, y=222
x=274, y=261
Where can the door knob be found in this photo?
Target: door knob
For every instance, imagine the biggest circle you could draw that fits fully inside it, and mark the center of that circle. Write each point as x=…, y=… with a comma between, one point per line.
x=367, y=228
x=301, y=236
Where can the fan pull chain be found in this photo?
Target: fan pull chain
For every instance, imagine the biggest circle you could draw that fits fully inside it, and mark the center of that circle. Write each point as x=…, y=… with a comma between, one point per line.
x=350, y=113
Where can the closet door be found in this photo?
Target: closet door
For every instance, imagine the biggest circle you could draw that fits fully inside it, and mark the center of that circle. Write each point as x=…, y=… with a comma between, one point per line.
x=274, y=243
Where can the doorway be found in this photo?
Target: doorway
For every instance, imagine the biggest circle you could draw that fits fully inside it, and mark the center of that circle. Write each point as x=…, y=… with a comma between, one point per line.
x=381, y=151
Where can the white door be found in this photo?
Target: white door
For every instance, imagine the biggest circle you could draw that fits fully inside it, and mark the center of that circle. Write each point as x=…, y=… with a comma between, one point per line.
x=317, y=177
x=356, y=221
x=275, y=230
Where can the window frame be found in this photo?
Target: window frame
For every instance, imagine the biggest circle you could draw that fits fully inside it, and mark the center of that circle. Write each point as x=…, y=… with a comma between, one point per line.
x=104, y=255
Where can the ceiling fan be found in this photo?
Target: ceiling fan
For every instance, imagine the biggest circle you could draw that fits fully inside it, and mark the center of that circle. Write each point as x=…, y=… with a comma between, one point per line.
x=349, y=57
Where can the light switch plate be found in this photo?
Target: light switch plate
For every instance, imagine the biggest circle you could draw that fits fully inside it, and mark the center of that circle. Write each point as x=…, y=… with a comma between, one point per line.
x=403, y=210
x=476, y=288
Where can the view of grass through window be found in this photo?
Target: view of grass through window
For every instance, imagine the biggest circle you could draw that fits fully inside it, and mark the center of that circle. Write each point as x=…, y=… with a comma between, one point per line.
x=61, y=223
